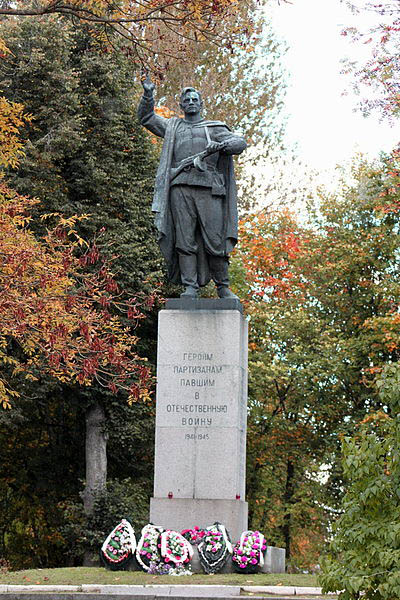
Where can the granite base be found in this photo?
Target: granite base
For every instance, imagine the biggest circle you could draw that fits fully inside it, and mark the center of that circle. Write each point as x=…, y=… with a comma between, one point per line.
x=185, y=513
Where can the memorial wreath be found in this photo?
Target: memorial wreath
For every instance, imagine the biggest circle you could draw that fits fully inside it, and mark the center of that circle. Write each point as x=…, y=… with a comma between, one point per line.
x=248, y=553
x=148, y=551
x=193, y=536
x=215, y=548
x=119, y=547
x=175, y=548
x=163, y=552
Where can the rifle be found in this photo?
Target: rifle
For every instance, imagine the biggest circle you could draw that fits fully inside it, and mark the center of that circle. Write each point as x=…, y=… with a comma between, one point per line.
x=194, y=161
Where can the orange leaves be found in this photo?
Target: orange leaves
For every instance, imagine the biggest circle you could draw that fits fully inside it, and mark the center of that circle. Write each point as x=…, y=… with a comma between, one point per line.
x=375, y=418
x=270, y=247
x=164, y=111
x=65, y=320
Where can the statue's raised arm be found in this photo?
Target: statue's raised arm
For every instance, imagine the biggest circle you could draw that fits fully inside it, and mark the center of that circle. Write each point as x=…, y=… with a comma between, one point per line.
x=146, y=114
x=195, y=194
x=148, y=86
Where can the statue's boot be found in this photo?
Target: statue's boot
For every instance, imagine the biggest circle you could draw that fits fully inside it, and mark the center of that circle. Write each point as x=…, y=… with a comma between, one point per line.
x=188, y=268
x=219, y=273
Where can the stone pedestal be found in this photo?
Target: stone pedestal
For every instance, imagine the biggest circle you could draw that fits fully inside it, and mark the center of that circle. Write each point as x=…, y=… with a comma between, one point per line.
x=275, y=560
x=200, y=453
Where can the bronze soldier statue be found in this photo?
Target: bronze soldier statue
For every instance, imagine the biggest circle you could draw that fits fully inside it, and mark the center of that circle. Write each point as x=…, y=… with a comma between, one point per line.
x=195, y=199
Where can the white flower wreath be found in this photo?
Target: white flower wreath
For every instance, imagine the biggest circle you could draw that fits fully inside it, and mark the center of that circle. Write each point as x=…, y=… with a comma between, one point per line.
x=120, y=544
x=175, y=548
x=148, y=546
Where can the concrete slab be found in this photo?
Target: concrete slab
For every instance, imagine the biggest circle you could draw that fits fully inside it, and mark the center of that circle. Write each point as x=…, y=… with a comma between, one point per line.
x=309, y=591
x=152, y=592
x=43, y=588
x=74, y=596
x=204, y=304
x=275, y=560
x=93, y=596
x=282, y=590
x=191, y=591
x=181, y=513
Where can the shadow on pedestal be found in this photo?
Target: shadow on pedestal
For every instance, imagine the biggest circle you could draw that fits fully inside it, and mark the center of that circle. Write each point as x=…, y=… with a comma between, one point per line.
x=204, y=304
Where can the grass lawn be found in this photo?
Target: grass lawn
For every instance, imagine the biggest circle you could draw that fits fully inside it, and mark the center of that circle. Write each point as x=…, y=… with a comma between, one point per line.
x=79, y=575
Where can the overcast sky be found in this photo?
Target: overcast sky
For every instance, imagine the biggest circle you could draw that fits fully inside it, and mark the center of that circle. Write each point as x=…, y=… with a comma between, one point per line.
x=322, y=120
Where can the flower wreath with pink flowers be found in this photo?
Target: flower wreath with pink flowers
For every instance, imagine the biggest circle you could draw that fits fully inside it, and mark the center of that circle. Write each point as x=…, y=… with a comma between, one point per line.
x=248, y=553
x=215, y=548
x=119, y=547
x=175, y=548
x=148, y=550
x=193, y=536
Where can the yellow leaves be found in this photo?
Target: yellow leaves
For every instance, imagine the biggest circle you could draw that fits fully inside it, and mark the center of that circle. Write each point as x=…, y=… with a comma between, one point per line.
x=12, y=119
x=145, y=395
x=58, y=312
x=68, y=224
x=3, y=48
x=5, y=394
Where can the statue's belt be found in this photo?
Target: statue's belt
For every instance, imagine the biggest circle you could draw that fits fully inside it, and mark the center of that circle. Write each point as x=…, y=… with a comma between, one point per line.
x=206, y=166
x=176, y=170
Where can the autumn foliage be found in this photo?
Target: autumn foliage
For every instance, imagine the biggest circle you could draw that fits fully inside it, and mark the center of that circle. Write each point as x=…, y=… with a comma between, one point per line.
x=56, y=311
x=60, y=307
x=145, y=25
x=381, y=70
x=323, y=297
x=271, y=266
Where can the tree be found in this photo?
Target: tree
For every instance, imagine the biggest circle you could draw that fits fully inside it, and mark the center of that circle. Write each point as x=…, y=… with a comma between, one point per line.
x=323, y=298
x=51, y=310
x=364, y=557
x=380, y=72
x=245, y=88
x=140, y=24
x=84, y=153
x=48, y=307
x=55, y=318
x=287, y=355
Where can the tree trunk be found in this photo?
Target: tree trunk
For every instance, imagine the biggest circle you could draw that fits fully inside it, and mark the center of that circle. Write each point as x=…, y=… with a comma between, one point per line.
x=96, y=461
x=288, y=501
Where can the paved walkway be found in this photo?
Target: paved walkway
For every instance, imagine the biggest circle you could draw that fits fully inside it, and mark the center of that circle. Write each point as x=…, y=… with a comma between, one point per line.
x=150, y=592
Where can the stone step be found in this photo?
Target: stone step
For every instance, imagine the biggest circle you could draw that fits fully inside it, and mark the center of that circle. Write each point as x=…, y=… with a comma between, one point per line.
x=156, y=592
x=126, y=596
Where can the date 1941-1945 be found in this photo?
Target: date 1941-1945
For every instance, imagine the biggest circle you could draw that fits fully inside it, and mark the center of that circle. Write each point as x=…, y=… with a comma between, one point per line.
x=197, y=436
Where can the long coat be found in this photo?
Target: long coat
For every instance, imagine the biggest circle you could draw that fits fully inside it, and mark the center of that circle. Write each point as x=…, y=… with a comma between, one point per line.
x=166, y=128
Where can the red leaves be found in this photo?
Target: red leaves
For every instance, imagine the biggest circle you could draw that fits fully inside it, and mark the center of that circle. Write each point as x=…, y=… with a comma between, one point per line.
x=105, y=301
x=64, y=316
x=270, y=248
x=84, y=331
x=134, y=313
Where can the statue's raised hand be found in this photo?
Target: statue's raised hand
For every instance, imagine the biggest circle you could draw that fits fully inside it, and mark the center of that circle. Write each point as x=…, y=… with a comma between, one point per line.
x=148, y=86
